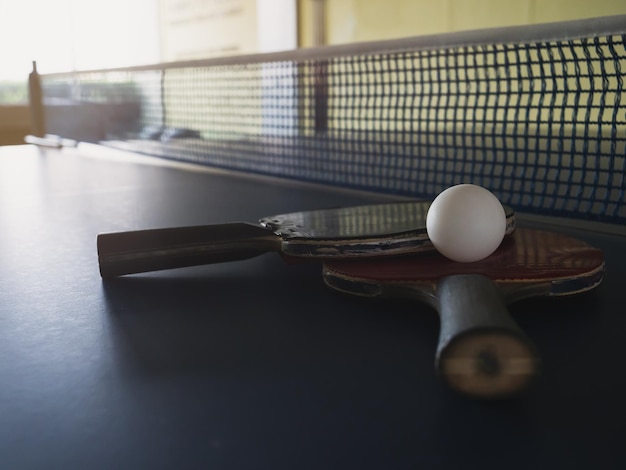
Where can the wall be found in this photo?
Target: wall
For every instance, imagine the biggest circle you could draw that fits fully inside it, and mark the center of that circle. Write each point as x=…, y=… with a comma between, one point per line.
x=199, y=29
x=368, y=20
x=195, y=29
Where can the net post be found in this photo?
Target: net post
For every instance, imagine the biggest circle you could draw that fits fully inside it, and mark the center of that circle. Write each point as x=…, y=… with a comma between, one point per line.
x=35, y=95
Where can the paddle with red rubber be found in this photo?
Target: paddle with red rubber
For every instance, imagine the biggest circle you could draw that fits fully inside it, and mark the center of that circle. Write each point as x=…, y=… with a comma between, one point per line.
x=374, y=230
x=481, y=351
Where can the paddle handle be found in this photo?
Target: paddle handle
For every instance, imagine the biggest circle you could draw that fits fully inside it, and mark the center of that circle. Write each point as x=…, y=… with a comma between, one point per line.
x=482, y=352
x=153, y=250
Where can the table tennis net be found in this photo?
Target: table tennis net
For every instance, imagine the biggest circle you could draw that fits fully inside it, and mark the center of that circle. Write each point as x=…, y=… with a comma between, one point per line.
x=535, y=114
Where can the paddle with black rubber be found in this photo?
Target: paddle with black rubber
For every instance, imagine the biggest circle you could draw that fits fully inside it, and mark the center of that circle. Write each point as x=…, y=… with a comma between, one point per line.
x=361, y=231
x=481, y=351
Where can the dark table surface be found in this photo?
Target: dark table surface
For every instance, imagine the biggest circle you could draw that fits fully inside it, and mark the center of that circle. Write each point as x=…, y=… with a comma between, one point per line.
x=256, y=364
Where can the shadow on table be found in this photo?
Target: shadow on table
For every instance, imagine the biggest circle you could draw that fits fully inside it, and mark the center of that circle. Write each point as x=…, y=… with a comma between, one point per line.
x=260, y=317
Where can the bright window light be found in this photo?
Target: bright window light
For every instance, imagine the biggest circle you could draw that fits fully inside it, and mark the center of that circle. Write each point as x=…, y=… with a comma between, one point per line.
x=65, y=35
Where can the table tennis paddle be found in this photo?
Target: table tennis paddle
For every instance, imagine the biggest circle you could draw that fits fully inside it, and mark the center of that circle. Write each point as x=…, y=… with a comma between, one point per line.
x=360, y=231
x=481, y=351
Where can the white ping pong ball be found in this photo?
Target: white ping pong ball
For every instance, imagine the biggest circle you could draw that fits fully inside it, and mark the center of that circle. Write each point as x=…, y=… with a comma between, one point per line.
x=466, y=223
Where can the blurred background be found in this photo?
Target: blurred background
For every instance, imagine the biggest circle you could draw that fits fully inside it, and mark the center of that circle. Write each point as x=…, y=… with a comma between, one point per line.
x=68, y=35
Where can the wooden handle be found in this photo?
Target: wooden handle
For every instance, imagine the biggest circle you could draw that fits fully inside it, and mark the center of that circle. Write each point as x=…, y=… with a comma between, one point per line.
x=481, y=352
x=152, y=250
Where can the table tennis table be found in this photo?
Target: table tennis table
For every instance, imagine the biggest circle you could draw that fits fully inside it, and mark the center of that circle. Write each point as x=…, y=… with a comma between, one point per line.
x=256, y=364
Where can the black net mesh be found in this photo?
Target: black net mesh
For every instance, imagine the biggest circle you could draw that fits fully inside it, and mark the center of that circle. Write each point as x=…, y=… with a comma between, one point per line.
x=541, y=123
